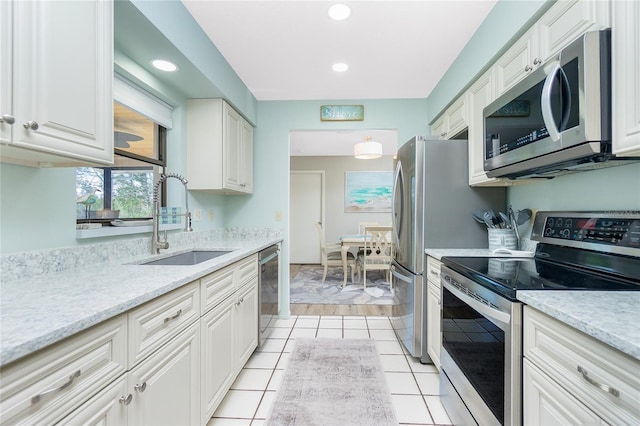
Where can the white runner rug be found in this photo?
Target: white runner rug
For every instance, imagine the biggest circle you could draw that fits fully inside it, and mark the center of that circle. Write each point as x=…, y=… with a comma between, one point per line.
x=333, y=382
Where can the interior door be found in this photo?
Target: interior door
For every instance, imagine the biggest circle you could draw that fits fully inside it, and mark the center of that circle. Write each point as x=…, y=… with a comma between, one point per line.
x=306, y=209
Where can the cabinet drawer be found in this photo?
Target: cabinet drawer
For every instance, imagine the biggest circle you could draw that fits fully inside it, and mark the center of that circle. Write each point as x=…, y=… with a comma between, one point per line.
x=585, y=367
x=247, y=269
x=50, y=384
x=433, y=270
x=155, y=323
x=217, y=286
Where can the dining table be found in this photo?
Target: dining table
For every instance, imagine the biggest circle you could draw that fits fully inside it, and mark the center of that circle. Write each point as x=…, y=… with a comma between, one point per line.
x=348, y=241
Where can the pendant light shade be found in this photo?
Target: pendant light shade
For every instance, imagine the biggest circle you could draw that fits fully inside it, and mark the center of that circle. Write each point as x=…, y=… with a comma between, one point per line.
x=368, y=149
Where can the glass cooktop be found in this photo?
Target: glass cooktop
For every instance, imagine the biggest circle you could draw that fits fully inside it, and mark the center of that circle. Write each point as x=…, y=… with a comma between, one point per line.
x=507, y=275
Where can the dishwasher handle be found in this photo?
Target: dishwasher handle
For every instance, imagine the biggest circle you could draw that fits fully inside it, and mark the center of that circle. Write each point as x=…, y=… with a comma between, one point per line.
x=268, y=258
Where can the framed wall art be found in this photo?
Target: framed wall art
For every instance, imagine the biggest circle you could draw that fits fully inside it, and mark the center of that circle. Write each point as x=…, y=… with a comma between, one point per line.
x=368, y=192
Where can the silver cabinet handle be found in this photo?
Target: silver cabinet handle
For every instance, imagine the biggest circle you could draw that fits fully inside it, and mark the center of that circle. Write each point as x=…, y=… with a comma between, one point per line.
x=537, y=61
x=126, y=400
x=602, y=386
x=528, y=68
x=433, y=273
x=31, y=125
x=167, y=319
x=140, y=387
x=66, y=384
x=7, y=118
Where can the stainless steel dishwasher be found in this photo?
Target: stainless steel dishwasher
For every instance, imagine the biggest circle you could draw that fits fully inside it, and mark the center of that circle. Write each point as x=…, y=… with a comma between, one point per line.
x=268, y=280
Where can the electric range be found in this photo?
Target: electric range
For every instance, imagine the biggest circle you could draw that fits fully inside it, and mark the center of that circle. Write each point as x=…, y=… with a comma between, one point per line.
x=482, y=319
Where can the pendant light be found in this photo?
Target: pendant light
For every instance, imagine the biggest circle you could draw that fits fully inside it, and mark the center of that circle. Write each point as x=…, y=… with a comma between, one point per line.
x=368, y=149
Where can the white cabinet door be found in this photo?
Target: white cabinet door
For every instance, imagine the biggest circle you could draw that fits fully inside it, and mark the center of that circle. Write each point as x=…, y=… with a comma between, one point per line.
x=166, y=386
x=434, y=337
x=546, y=403
x=107, y=408
x=6, y=91
x=219, y=148
x=625, y=66
x=568, y=20
x=247, y=320
x=231, y=148
x=246, y=156
x=452, y=121
x=438, y=128
x=517, y=61
x=62, y=75
x=218, y=356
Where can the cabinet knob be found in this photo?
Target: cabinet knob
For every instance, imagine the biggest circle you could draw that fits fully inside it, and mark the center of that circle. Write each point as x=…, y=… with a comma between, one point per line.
x=7, y=118
x=126, y=400
x=528, y=68
x=31, y=125
x=537, y=61
x=140, y=387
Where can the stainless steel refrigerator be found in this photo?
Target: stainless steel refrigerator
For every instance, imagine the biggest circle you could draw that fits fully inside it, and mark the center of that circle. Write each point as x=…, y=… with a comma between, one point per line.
x=432, y=208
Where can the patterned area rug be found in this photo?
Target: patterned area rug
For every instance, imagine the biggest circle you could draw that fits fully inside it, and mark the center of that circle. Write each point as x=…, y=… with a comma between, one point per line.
x=333, y=382
x=307, y=287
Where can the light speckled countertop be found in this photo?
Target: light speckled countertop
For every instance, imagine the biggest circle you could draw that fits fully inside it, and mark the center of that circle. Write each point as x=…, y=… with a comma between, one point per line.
x=39, y=311
x=440, y=253
x=611, y=317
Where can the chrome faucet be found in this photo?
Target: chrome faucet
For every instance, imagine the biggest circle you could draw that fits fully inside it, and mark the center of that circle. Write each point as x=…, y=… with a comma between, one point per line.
x=156, y=244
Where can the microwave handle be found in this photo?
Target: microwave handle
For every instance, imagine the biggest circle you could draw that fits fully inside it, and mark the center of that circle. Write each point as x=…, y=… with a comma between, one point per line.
x=545, y=101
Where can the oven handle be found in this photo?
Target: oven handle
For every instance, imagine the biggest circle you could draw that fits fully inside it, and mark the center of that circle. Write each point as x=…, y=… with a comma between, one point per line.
x=488, y=311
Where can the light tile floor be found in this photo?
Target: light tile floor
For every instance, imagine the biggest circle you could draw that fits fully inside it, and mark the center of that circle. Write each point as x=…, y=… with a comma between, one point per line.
x=413, y=386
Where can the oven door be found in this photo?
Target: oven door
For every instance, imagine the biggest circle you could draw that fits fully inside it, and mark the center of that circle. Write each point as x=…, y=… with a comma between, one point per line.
x=481, y=353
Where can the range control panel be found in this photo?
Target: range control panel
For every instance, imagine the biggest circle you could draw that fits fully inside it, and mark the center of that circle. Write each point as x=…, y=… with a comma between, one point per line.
x=619, y=229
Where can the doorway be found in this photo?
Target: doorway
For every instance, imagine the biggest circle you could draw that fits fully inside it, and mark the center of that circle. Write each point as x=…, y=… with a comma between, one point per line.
x=307, y=193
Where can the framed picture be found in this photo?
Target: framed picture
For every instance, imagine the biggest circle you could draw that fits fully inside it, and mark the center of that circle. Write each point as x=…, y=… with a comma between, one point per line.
x=368, y=192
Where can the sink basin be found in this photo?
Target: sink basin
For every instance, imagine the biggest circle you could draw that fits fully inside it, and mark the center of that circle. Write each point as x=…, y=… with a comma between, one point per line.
x=189, y=258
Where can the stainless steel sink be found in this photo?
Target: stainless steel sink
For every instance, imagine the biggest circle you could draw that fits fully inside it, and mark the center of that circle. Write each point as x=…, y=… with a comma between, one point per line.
x=189, y=258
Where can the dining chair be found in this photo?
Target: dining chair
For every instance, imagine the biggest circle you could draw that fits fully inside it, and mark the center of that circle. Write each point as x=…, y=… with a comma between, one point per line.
x=362, y=225
x=377, y=253
x=332, y=256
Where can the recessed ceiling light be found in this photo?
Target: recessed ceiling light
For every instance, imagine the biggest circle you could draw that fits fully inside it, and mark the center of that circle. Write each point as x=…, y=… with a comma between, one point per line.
x=340, y=67
x=163, y=65
x=339, y=12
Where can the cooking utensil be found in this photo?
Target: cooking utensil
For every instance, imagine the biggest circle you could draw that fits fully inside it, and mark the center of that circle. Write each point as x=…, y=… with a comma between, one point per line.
x=478, y=215
x=514, y=225
x=505, y=220
x=523, y=216
x=488, y=219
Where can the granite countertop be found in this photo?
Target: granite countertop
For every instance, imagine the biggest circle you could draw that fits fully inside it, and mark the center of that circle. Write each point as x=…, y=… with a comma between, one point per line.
x=611, y=316
x=39, y=311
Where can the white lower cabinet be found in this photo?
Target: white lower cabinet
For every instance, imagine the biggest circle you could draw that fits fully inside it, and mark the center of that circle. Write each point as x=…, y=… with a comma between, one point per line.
x=161, y=363
x=103, y=409
x=547, y=403
x=229, y=336
x=166, y=386
x=218, y=358
x=434, y=308
x=572, y=378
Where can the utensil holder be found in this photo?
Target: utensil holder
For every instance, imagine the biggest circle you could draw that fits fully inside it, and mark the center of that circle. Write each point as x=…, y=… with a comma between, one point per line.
x=502, y=238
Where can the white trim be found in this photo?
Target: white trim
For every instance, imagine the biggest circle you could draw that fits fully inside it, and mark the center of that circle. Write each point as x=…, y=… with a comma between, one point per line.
x=141, y=101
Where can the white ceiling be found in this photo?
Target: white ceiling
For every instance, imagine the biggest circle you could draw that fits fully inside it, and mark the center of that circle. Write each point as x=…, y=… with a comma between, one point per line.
x=284, y=50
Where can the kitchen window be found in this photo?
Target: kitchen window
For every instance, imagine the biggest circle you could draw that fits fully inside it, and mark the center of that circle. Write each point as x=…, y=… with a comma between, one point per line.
x=140, y=133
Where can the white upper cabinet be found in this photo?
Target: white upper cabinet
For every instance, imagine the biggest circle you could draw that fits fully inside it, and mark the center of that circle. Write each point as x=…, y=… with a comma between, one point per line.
x=56, y=83
x=564, y=22
x=219, y=148
x=625, y=66
x=518, y=61
x=479, y=95
x=452, y=121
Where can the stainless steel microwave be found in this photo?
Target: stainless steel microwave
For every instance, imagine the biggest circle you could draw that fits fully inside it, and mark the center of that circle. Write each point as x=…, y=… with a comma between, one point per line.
x=558, y=118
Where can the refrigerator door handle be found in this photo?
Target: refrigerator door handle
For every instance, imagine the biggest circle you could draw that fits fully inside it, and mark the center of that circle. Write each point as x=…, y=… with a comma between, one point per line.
x=400, y=276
